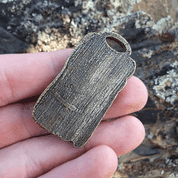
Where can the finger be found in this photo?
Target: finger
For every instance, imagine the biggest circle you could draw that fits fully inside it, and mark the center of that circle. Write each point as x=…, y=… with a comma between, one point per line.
x=122, y=135
x=131, y=99
x=100, y=161
x=16, y=122
x=26, y=75
x=38, y=155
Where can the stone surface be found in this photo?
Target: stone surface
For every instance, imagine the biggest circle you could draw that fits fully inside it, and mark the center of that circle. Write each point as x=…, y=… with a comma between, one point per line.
x=11, y=44
x=56, y=24
x=158, y=8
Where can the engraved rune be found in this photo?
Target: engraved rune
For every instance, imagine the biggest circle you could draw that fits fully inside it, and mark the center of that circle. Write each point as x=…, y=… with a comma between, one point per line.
x=65, y=103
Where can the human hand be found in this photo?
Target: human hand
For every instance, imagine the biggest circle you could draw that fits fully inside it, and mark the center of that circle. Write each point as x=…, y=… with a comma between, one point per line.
x=27, y=150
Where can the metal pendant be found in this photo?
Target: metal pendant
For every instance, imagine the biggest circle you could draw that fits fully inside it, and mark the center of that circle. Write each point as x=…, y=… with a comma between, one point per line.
x=74, y=103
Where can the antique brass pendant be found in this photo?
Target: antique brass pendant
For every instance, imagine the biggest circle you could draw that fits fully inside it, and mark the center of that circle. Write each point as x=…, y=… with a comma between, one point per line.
x=74, y=103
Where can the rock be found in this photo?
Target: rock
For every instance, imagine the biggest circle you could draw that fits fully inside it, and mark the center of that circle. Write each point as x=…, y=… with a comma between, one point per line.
x=11, y=44
x=151, y=28
x=158, y=9
x=26, y=18
x=174, y=31
x=166, y=85
x=163, y=25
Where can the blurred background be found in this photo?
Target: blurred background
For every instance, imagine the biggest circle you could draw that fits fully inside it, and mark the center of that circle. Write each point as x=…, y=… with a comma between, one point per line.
x=151, y=28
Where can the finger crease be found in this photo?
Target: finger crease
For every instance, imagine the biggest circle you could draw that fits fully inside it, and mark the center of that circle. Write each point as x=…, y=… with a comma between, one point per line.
x=52, y=65
x=6, y=90
x=32, y=166
x=23, y=121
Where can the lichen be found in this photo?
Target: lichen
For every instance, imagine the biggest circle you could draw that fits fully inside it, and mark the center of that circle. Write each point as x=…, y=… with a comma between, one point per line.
x=6, y=1
x=166, y=86
x=163, y=25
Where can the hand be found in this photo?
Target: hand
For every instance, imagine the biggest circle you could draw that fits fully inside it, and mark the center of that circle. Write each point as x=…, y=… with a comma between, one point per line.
x=27, y=150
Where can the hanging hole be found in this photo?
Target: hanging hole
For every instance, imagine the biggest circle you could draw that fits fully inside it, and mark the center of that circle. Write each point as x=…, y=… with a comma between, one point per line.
x=116, y=44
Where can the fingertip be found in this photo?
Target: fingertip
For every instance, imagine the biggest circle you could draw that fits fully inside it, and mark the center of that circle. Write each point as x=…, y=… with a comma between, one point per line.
x=100, y=161
x=131, y=99
x=107, y=161
x=134, y=134
x=135, y=94
x=122, y=135
x=142, y=93
x=58, y=59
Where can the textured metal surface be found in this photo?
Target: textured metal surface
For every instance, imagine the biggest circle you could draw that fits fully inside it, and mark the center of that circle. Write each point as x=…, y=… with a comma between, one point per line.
x=75, y=102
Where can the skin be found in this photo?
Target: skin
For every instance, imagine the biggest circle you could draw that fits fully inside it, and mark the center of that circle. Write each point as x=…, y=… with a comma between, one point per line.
x=27, y=150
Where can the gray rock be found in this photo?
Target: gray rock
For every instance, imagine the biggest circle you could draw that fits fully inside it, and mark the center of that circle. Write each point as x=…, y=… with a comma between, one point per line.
x=166, y=86
x=174, y=31
x=11, y=44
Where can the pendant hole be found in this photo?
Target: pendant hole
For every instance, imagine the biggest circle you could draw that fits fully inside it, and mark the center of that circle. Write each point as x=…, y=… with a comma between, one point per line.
x=116, y=44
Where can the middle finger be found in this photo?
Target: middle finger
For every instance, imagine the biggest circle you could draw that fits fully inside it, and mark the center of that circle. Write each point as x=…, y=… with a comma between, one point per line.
x=16, y=122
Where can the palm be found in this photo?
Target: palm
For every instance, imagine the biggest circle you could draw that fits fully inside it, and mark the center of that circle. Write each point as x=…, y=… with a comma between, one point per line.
x=27, y=150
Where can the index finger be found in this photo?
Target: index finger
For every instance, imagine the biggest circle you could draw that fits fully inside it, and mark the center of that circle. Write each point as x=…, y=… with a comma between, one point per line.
x=26, y=75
